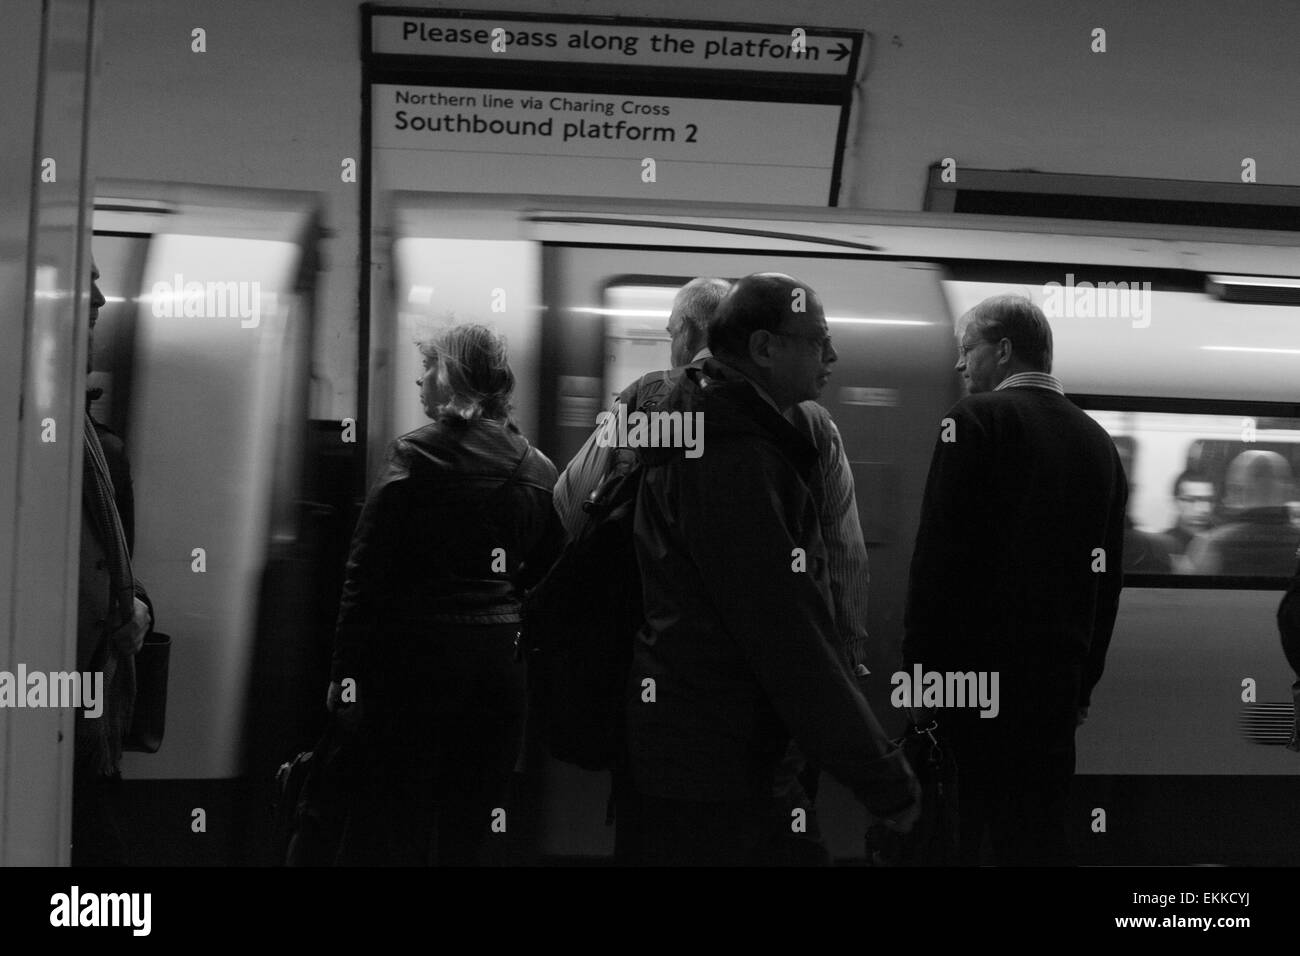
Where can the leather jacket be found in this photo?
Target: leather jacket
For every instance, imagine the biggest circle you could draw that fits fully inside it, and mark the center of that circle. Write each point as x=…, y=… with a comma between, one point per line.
x=441, y=540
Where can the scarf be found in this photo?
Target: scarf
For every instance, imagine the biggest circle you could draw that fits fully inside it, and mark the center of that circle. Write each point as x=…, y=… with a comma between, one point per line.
x=99, y=740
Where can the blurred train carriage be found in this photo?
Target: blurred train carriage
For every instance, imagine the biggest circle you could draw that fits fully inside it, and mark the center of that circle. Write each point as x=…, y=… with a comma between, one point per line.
x=225, y=460
x=202, y=356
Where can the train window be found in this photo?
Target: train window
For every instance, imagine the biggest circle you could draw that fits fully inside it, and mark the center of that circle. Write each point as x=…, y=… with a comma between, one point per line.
x=1209, y=494
x=1154, y=341
x=636, y=333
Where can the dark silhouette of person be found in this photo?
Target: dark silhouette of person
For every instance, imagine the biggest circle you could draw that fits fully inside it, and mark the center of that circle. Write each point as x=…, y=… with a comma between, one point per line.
x=114, y=615
x=1016, y=572
x=739, y=644
x=457, y=526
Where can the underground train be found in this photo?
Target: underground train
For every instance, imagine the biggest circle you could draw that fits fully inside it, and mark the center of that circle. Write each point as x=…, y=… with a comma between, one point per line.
x=1180, y=341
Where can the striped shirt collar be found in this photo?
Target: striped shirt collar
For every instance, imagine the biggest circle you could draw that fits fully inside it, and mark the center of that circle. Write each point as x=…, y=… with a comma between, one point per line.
x=1031, y=380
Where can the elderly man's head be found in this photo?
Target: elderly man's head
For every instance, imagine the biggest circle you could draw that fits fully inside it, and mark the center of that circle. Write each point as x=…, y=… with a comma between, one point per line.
x=693, y=309
x=1257, y=479
x=773, y=328
x=1000, y=337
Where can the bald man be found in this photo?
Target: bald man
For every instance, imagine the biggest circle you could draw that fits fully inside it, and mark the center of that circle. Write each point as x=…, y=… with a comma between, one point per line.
x=738, y=652
x=1258, y=538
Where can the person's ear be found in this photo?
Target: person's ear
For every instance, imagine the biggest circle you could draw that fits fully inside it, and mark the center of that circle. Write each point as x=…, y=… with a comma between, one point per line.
x=760, y=347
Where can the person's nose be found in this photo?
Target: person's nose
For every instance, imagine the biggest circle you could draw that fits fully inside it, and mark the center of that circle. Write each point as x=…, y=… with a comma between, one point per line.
x=961, y=363
x=831, y=355
x=97, y=299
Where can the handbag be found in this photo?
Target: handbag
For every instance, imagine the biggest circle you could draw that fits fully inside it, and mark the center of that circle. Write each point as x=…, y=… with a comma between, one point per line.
x=933, y=839
x=315, y=793
x=149, y=719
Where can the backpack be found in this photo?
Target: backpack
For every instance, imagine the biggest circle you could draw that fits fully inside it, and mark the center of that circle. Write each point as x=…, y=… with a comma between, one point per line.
x=579, y=624
x=582, y=617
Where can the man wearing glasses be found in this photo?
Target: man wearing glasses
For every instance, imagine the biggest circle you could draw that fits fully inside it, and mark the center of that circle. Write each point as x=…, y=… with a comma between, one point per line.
x=738, y=652
x=693, y=310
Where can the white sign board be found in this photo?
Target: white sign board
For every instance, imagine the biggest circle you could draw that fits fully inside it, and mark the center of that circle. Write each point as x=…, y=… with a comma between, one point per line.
x=660, y=46
x=525, y=141
x=590, y=107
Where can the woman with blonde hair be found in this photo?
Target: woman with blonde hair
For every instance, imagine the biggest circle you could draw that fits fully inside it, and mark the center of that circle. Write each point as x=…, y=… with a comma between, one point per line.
x=458, y=524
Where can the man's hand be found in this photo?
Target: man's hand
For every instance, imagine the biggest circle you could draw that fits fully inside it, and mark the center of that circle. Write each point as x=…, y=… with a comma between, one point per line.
x=129, y=638
x=903, y=820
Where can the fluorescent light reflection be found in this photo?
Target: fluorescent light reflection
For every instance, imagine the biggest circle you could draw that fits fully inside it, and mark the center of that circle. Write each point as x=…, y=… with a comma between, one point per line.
x=1266, y=281
x=1244, y=348
x=665, y=313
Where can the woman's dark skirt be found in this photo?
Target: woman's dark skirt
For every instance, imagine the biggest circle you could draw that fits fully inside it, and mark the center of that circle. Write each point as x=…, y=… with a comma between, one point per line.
x=442, y=727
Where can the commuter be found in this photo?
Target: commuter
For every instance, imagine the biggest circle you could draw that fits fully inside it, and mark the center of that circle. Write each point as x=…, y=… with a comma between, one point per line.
x=1016, y=573
x=458, y=524
x=1194, y=497
x=1258, y=537
x=114, y=615
x=738, y=650
x=693, y=309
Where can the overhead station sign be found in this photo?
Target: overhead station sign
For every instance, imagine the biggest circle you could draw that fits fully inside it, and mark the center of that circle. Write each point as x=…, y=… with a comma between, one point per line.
x=629, y=45
x=598, y=107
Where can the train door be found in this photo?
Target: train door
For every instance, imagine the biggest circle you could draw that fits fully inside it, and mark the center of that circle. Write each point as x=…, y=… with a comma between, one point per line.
x=202, y=361
x=606, y=309
x=46, y=59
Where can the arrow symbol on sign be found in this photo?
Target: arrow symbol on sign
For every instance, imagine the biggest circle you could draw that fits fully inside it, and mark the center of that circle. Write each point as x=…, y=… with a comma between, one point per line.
x=842, y=51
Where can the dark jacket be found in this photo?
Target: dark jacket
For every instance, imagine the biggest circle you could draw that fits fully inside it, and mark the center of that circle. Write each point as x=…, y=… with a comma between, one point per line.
x=1256, y=541
x=842, y=534
x=440, y=541
x=1004, y=574
x=739, y=642
x=1288, y=626
x=99, y=740
x=1145, y=552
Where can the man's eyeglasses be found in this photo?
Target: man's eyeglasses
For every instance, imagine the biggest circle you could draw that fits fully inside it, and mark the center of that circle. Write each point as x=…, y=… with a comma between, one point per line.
x=822, y=341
